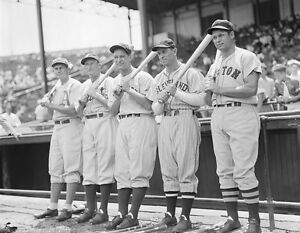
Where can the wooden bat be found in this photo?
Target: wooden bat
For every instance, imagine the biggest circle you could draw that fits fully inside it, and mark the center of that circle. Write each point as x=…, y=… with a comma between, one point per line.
x=150, y=56
x=199, y=50
x=98, y=82
x=204, y=43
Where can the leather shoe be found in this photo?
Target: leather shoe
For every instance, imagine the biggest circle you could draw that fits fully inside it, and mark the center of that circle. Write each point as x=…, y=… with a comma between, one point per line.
x=48, y=213
x=253, y=226
x=230, y=225
x=128, y=221
x=115, y=222
x=99, y=218
x=183, y=225
x=64, y=215
x=86, y=216
x=169, y=220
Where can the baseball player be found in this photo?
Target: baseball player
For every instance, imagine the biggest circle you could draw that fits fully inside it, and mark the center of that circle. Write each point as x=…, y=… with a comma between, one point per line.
x=98, y=141
x=136, y=140
x=179, y=132
x=235, y=123
x=65, y=147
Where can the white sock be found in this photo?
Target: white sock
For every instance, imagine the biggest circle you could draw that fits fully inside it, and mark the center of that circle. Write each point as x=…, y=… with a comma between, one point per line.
x=53, y=206
x=68, y=207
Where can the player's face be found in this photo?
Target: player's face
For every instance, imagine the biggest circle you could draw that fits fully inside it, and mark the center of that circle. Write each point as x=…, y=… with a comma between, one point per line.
x=166, y=55
x=222, y=39
x=280, y=75
x=122, y=59
x=61, y=70
x=92, y=67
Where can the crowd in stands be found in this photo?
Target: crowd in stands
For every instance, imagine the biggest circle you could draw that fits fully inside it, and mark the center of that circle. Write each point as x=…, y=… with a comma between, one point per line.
x=274, y=43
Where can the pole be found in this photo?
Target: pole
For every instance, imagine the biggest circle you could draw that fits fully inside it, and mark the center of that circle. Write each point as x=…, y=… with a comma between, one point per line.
x=270, y=204
x=130, y=27
x=41, y=42
x=144, y=26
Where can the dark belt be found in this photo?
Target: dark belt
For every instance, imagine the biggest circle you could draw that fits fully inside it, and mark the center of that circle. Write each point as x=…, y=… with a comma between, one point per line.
x=62, y=122
x=177, y=112
x=231, y=104
x=130, y=115
x=95, y=115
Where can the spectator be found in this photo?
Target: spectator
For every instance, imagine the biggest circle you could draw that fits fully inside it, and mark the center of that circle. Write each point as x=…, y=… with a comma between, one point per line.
x=12, y=118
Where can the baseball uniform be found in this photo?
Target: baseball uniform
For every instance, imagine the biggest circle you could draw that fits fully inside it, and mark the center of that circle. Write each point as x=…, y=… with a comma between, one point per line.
x=235, y=127
x=98, y=138
x=179, y=132
x=65, y=159
x=136, y=140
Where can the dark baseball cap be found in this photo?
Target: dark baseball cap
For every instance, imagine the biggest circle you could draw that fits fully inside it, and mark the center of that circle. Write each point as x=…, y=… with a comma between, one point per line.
x=167, y=43
x=127, y=48
x=220, y=24
x=60, y=60
x=90, y=56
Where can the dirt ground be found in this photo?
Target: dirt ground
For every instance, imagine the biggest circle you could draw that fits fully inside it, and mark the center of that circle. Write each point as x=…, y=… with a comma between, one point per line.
x=20, y=210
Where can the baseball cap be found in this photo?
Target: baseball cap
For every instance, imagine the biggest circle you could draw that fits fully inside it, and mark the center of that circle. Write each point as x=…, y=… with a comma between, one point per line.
x=127, y=48
x=90, y=56
x=221, y=24
x=293, y=62
x=166, y=43
x=60, y=60
x=278, y=67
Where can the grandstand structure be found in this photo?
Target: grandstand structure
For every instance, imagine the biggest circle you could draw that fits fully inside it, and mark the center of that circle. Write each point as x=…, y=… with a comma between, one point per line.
x=268, y=27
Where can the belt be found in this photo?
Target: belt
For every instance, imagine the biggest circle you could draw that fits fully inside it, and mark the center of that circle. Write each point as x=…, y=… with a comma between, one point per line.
x=231, y=104
x=130, y=115
x=62, y=122
x=94, y=115
x=177, y=112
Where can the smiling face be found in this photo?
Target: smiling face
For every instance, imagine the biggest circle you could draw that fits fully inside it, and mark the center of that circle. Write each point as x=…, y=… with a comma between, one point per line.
x=61, y=71
x=92, y=67
x=122, y=59
x=167, y=56
x=223, y=40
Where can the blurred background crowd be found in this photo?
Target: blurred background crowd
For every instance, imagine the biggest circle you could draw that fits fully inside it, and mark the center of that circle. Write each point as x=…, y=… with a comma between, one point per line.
x=276, y=43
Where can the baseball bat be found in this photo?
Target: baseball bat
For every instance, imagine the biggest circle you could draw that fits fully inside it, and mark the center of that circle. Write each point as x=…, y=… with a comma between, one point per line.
x=149, y=57
x=99, y=81
x=204, y=43
x=199, y=50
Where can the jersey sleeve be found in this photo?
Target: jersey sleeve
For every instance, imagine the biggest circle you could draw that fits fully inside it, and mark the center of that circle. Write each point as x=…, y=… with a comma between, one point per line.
x=75, y=92
x=145, y=81
x=195, y=81
x=152, y=93
x=250, y=63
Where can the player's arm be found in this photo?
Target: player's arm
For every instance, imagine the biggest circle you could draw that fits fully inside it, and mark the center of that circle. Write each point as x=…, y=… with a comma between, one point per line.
x=194, y=99
x=248, y=89
x=139, y=98
x=157, y=108
x=69, y=110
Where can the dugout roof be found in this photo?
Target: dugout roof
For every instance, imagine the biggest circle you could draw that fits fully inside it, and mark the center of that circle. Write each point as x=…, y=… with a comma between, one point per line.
x=154, y=5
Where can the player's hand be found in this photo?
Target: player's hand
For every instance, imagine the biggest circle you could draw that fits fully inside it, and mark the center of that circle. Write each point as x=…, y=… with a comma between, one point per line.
x=171, y=90
x=91, y=92
x=125, y=86
x=211, y=86
x=163, y=97
x=118, y=92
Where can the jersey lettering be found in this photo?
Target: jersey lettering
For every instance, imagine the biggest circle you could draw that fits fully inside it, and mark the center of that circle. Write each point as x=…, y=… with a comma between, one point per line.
x=229, y=71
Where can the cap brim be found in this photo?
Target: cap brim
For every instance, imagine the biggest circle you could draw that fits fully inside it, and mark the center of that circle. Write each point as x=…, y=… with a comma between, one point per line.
x=83, y=60
x=62, y=63
x=155, y=48
x=113, y=48
x=219, y=27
